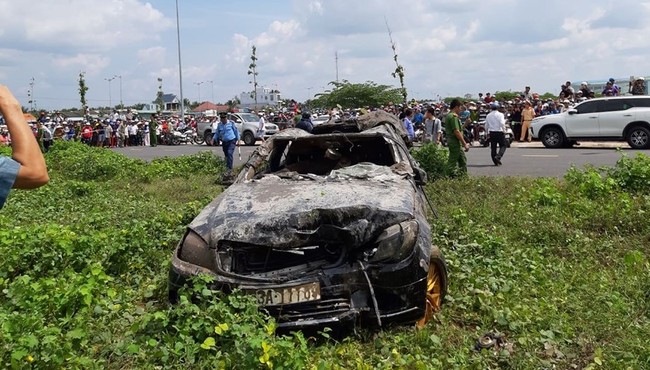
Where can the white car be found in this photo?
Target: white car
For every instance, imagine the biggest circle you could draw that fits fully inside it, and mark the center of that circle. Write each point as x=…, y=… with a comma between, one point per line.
x=611, y=118
x=247, y=125
x=320, y=120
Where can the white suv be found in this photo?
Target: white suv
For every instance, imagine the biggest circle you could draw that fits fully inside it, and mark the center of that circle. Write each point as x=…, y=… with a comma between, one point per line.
x=247, y=125
x=612, y=118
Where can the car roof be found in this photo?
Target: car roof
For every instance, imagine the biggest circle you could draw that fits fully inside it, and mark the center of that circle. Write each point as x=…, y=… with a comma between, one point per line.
x=618, y=98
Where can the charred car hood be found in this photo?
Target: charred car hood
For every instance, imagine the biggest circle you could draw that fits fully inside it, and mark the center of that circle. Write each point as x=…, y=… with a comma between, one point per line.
x=290, y=213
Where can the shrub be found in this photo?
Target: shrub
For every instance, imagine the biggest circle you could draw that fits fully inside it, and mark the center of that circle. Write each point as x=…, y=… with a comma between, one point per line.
x=82, y=162
x=632, y=174
x=433, y=159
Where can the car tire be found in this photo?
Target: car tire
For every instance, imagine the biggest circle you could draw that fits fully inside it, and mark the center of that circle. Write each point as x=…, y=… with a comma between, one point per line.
x=639, y=137
x=249, y=138
x=436, y=287
x=553, y=137
x=207, y=138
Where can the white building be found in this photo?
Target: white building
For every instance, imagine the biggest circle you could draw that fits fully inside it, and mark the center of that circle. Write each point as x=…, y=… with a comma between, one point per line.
x=265, y=97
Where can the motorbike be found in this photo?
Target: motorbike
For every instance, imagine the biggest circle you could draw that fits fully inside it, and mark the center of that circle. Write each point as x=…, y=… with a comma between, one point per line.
x=467, y=135
x=184, y=136
x=468, y=132
x=484, y=139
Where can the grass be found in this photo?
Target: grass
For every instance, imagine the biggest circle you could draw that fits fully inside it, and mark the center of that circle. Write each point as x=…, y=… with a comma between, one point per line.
x=559, y=267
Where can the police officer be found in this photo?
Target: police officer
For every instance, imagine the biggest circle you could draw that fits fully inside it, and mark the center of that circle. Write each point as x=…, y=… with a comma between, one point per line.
x=229, y=136
x=453, y=129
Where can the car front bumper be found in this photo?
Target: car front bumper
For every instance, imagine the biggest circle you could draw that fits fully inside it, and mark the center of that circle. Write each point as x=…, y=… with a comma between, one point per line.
x=348, y=291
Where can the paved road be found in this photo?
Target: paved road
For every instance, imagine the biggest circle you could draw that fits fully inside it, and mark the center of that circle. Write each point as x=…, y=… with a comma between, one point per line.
x=520, y=160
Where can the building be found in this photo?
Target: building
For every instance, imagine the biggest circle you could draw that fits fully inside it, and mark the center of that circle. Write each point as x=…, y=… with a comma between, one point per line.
x=265, y=97
x=171, y=103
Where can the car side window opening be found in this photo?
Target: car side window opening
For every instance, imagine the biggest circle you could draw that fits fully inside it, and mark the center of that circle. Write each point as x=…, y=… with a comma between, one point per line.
x=642, y=102
x=587, y=107
x=613, y=105
x=320, y=156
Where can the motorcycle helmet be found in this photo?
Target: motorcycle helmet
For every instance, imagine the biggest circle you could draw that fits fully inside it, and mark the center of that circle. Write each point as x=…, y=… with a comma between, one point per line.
x=464, y=115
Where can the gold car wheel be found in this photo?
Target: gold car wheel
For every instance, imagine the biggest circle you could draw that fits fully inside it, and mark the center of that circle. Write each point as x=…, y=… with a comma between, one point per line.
x=434, y=293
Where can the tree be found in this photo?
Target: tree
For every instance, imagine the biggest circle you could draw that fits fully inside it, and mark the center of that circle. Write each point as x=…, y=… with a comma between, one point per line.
x=351, y=95
x=233, y=103
x=548, y=95
x=252, y=70
x=159, y=96
x=190, y=104
x=399, y=70
x=83, y=89
x=506, y=95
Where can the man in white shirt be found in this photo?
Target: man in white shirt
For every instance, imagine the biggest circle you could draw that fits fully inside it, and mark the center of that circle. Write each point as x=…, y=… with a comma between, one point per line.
x=495, y=126
x=260, y=128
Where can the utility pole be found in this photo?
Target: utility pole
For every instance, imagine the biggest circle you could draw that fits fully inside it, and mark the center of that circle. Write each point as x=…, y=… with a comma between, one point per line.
x=336, y=58
x=180, y=69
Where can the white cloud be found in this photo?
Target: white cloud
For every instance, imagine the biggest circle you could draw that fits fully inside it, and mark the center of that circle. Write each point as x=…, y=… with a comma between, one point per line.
x=151, y=56
x=96, y=24
x=445, y=46
x=315, y=7
x=91, y=63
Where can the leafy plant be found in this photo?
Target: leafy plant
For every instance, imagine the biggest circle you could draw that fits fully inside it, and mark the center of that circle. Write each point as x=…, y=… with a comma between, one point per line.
x=559, y=267
x=433, y=159
x=83, y=89
x=399, y=70
x=252, y=71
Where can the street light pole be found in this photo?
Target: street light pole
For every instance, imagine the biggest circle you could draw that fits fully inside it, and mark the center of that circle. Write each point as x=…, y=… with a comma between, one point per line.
x=198, y=84
x=212, y=89
x=110, y=100
x=180, y=69
x=121, y=102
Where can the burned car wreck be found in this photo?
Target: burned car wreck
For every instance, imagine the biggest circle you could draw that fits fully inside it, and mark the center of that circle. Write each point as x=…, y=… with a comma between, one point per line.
x=324, y=228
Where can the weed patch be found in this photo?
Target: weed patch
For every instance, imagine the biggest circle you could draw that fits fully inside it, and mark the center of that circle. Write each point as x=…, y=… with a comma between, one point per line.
x=561, y=268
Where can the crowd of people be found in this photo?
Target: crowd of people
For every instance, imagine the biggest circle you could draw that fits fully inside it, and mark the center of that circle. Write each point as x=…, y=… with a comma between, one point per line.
x=426, y=122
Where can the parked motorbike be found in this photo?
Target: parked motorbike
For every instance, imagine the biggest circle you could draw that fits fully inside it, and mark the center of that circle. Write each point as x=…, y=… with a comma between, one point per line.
x=467, y=135
x=482, y=134
x=468, y=132
x=484, y=139
x=184, y=136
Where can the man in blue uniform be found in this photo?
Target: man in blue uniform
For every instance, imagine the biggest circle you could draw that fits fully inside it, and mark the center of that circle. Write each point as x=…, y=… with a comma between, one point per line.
x=229, y=136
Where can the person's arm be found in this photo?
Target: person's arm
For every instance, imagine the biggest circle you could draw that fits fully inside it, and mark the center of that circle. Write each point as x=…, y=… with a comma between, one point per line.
x=32, y=172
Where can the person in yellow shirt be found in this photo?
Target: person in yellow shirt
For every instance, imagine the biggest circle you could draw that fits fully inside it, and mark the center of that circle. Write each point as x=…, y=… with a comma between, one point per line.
x=527, y=116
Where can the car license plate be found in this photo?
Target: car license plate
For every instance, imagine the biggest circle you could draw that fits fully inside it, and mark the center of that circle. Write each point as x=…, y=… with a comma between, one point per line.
x=287, y=295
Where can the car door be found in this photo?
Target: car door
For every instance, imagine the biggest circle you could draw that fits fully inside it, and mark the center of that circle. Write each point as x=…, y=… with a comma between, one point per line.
x=584, y=122
x=614, y=115
x=239, y=123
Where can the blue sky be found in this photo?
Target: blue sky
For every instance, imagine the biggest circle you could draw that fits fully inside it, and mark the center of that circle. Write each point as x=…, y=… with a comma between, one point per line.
x=447, y=47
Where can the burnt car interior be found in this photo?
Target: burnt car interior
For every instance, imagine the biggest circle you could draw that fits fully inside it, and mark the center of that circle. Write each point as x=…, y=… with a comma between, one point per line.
x=319, y=155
